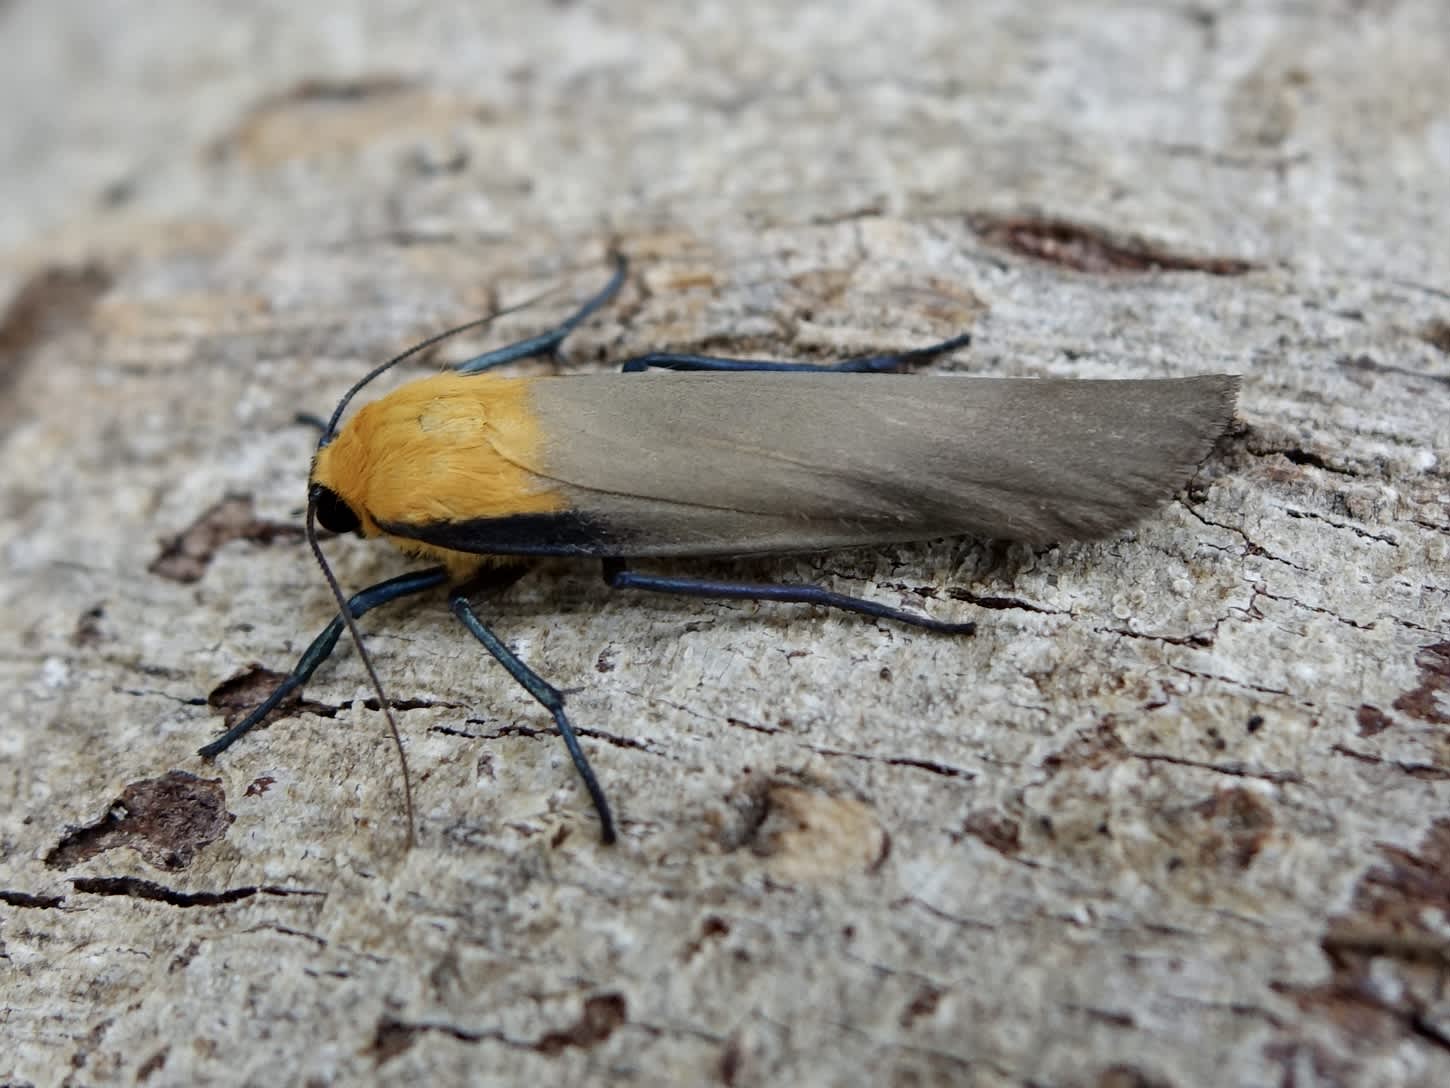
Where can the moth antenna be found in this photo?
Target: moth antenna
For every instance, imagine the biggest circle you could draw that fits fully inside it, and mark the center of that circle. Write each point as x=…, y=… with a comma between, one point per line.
x=381, y=368
x=346, y=613
x=534, y=345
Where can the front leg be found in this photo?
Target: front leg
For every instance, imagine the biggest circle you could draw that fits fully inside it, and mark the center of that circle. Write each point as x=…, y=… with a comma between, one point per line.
x=321, y=648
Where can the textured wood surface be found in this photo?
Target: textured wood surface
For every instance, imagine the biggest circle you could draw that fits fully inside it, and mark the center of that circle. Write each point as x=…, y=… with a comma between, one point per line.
x=1178, y=815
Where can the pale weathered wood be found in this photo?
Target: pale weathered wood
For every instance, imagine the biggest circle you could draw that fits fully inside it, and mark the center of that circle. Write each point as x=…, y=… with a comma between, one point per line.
x=1179, y=814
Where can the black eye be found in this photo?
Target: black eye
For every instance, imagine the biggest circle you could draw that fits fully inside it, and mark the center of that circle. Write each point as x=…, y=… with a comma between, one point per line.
x=333, y=514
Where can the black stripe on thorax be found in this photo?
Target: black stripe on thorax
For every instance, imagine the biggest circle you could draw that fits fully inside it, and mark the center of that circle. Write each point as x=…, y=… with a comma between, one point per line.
x=566, y=533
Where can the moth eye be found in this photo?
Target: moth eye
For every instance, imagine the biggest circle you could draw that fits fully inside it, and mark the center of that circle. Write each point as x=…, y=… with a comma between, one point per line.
x=333, y=514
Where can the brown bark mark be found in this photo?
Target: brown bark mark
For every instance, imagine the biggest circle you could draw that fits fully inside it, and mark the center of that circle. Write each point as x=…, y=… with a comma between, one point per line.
x=601, y=1015
x=239, y=695
x=1389, y=921
x=152, y=1065
x=1002, y=833
x=53, y=301
x=1093, y=250
x=1237, y=824
x=167, y=820
x=1429, y=701
x=1090, y=749
x=185, y=557
x=1371, y=720
x=1437, y=335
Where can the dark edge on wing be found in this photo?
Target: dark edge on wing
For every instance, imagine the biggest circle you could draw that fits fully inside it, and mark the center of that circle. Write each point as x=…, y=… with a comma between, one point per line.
x=566, y=533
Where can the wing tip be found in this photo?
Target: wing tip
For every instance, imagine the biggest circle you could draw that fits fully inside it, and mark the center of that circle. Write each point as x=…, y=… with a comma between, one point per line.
x=1200, y=420
x=1218, y=404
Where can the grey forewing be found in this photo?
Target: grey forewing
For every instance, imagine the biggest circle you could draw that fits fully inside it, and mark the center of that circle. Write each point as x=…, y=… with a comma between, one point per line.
x=699, y=464
x=729, y=463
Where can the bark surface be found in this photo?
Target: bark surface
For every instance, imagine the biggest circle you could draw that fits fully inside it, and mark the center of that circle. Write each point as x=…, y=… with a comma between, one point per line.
x=1179, y=814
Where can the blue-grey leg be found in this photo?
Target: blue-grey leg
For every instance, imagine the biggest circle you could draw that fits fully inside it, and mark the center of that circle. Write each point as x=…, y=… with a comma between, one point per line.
x=546, y=695
x=547, y=343
x=619, y=577
x=863, y=364
x=366, y=600
x=311, y=419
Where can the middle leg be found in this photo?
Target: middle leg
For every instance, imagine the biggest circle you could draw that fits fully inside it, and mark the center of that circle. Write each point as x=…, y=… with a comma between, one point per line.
x=546, y=695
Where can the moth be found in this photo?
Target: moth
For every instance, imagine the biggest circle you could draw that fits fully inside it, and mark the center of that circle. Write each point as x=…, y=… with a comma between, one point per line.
x=693, y=455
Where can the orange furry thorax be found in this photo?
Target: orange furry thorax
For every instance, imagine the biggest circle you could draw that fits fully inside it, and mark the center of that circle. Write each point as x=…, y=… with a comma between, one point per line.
x=446, y=448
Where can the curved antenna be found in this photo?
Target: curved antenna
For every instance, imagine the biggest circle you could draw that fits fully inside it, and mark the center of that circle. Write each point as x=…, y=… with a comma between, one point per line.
x=383, y=703
x=381, y=368
x=547, y=342
x=536, y=345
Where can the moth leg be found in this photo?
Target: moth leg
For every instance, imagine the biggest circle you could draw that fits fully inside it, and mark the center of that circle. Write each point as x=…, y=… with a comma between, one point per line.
x=322, y=646
x=547, y=343
x=309, y=419
x=862, y=364
x=546, y=695
x=619, y=577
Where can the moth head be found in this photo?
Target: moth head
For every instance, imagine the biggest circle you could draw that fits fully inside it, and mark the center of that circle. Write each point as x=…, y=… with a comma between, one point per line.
x=333, y=512
x=337, y=486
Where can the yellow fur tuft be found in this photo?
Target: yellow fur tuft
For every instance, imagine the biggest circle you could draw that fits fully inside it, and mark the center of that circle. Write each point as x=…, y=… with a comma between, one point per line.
x=446, y=448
